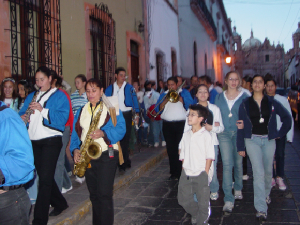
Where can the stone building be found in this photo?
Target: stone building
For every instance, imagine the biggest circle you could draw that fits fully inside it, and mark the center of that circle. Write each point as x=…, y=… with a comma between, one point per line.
x=254, y=57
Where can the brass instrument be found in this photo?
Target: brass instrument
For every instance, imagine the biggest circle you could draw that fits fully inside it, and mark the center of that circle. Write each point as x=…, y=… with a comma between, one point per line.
x=89, y=149
x=172, y=96
x=29, y=111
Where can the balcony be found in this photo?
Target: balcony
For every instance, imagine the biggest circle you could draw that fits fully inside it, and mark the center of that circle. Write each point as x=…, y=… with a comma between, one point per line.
x=221, y=45
x=200, y=9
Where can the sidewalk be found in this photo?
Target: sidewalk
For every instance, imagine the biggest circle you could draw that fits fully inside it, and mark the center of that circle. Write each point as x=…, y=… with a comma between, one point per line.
x=78, y=197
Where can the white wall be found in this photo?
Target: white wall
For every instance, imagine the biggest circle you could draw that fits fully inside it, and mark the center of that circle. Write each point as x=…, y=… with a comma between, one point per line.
x=163, y=36
x=190, y=30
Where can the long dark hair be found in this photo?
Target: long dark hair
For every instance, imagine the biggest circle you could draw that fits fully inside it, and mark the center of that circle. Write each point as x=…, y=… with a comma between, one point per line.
x=28, y=89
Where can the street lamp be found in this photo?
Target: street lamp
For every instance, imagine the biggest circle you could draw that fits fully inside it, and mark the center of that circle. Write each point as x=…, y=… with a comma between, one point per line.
x=228, y=60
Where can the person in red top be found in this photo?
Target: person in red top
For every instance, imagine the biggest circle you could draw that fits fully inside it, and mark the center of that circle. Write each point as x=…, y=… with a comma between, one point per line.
x=61, y=176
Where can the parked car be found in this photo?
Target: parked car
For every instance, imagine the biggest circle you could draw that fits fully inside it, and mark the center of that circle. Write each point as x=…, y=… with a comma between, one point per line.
x=294, y=100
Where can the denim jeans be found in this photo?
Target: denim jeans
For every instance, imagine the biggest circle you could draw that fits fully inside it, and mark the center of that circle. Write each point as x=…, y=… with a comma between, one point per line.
x=214, y=184
x=61, y=176
x=279, y=157
x=14, y=207
x=261, y=152
x=231, y=159
x=157, y=130
x=32, y=188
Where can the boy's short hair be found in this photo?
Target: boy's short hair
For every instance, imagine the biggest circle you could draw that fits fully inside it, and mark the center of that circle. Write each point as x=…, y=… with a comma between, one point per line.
x=173, y=79
x=119, y=69
x=202, y=112
x=206, y=78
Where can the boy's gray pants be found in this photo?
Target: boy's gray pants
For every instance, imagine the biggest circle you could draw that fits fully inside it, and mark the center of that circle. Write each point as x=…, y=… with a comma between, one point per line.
x=190, y=185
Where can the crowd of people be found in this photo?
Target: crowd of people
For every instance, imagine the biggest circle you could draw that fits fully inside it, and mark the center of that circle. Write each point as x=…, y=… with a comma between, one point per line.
x=39, y=123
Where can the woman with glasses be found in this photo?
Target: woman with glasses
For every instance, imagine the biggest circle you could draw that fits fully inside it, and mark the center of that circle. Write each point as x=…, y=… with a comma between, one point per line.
x=229, y=102
x=9, y=93
x=214, y=125
x=257, y=131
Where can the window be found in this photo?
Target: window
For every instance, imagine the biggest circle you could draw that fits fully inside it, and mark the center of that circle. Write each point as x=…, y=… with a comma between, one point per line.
x=267, y=58
x=174, y=63
x=195, y=59
x=103, y=44
x=35, y=36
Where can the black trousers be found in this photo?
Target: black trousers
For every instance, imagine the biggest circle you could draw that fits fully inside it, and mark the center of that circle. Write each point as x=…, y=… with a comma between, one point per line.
x=100, y=180
x=173, y=133
x=125, y=141
x=46, y=152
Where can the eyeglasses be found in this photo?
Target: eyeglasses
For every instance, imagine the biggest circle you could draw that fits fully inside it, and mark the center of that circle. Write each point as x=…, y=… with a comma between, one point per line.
x=8, y=79
x=231, y=79
x=192, y=115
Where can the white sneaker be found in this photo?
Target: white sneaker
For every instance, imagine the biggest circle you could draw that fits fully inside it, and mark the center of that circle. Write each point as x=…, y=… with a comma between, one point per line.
x=194, y=220
x=214, y=196
x=163, y=143
x=280, y=183
x=80, y=179
x=238, y=195
x=64, y=190
x=228, y=207
x=245, y=177
x=156, y=144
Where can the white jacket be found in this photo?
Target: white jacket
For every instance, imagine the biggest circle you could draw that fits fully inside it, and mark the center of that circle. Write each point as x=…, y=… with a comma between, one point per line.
x=216, y=118
x=285, y=103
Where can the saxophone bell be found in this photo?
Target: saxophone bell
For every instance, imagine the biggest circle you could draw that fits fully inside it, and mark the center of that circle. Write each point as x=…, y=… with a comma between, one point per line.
x=94, y=150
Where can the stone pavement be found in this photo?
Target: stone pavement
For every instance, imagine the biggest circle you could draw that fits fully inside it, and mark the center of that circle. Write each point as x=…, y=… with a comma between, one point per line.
x=78, y=198
x=152, y=199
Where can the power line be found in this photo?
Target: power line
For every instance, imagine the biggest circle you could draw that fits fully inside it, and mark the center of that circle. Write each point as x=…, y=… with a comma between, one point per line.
x=286, y=20
x=288, y=33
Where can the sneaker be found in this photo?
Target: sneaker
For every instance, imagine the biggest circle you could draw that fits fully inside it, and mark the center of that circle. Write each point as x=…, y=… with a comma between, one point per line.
x=80, y=179
x=262, y=216
x=194, y=220
x=268, y=200
x=214, y=196
x=163, y=143
x=238, y=195
x=273, y=182
x=228, y=207
x=65, y=190
x=156, y=144
x=280, y=183
x=245, y=177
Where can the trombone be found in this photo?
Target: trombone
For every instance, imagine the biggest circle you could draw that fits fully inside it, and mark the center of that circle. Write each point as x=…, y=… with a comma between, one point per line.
x=172, y=96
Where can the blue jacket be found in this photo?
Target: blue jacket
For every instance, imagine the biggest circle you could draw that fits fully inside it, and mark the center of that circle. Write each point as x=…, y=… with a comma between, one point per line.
x=186, y=96
x=59, y=108
x=229, y=122
x=16, y=156
x=129, y=93
x=113, y=133
x=275, y=108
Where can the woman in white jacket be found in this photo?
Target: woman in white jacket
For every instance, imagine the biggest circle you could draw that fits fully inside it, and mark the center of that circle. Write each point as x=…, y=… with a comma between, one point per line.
x=214, y=124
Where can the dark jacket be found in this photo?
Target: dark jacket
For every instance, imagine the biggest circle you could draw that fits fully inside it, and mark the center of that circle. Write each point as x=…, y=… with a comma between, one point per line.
x=275, y=108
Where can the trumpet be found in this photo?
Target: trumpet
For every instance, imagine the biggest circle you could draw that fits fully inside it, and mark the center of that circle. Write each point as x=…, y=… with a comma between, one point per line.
x=172, y=96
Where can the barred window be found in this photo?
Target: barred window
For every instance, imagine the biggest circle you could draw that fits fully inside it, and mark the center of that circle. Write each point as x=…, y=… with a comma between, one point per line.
x=103, y=44
x=35, y=36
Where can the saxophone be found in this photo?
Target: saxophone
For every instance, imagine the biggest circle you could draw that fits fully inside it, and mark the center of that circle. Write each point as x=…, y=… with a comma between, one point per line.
x=89, y=149
x=29, y=111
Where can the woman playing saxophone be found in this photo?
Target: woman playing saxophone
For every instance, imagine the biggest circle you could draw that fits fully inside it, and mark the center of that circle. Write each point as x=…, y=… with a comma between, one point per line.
x=101, y=172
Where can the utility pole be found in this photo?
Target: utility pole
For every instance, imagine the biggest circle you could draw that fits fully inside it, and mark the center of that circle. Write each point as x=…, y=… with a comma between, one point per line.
x=283, y=84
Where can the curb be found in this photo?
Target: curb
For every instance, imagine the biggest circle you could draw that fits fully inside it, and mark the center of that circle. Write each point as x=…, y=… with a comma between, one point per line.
x=86, y=206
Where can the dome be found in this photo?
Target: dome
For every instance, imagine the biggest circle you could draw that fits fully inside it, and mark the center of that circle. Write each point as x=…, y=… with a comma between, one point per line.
x=251, y=42
x=234, y=33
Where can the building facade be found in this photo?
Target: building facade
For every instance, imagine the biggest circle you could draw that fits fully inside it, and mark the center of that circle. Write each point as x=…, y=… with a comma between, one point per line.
x=72, y=37
x=205, y=38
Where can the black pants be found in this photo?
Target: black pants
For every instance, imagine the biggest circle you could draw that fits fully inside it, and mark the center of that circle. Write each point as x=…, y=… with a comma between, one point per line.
x=279, y=157
x=173, y=133
x=100, y=181
x=125, y=141
x=46, y=152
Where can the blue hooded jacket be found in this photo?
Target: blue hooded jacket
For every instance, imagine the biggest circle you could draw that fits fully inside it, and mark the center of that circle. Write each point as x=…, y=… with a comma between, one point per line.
x=275, y=108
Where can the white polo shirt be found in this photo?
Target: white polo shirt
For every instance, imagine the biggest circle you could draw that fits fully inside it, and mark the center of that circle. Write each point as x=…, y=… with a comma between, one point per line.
x=195, y=149
x=121, y=97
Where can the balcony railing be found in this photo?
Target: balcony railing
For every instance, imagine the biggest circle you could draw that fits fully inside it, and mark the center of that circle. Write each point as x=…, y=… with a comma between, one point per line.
x=200, y=9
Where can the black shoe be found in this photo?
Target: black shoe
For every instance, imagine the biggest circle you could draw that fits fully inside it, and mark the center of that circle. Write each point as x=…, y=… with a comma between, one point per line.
x=128, y=164
x=122, y=168
x=261, y=216
x=173, y=177
x=56, y=212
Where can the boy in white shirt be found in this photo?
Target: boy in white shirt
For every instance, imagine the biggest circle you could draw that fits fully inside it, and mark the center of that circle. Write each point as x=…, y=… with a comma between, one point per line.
x=196, y=151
